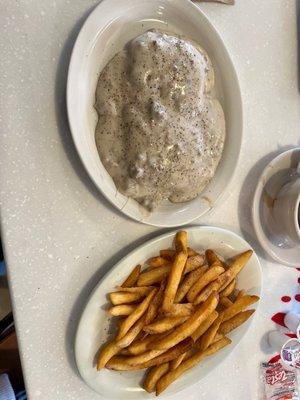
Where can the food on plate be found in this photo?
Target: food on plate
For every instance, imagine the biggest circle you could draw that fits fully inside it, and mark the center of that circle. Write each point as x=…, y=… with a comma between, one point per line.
x=161, y=131
x=132, y=278
x=175, y=311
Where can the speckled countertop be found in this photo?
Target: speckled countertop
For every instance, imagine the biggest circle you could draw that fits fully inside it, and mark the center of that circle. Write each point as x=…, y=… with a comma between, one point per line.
x=60, y=235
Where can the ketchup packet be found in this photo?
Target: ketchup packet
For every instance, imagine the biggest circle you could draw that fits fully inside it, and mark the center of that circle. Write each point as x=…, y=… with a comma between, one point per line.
x=279, y=384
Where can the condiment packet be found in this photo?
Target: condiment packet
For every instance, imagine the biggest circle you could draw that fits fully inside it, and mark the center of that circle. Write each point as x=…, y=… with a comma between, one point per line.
x=279, y=383
x=290, y=353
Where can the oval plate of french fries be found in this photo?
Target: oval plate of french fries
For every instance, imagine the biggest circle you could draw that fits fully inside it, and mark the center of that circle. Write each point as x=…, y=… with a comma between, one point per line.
x=168, y=313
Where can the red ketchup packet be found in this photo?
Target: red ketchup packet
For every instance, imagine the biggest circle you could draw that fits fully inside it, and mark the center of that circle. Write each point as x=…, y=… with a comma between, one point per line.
x=279, y=383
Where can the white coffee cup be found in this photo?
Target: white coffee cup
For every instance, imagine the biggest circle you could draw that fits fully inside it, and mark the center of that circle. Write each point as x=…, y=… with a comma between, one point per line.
x=286, y=210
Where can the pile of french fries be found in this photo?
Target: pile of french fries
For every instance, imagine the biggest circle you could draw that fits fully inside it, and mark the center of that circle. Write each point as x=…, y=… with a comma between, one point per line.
x=174, y=313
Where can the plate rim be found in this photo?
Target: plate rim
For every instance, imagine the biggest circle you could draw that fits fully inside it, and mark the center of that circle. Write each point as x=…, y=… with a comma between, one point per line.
x=149, y=243
x=255, y=209
x=122, y=209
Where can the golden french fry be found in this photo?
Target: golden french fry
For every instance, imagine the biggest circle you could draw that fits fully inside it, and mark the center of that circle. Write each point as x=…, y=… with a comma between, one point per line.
x=236, y=267
x=164, y=324
x=144, y=357
x=122, y=309
x=154, y=275
x=124, y=352
x=173, y=280
x=203, y=295
x=234, y=322
x=228, y=289
x=171, y=376
x=207, y=338
x=238, y=306
x=144, y=290
x=240, y=294
x=181, y=242
x=208, y=277
x=153, y=376
x=121, y=363
x=193, y=263
x=225, y=302
x=118, y=298
x=132, y=278
x=140, y=346
x=189, y=326
x=179, y=310
x=157, y=261
x=218, y=336
x=132, y=333
x=169, y=254
x=177, y=361
x=136, y=315
x=153, y=308
x=204, y=326
x=106, y=353
x=189, y=281
x=212, y=258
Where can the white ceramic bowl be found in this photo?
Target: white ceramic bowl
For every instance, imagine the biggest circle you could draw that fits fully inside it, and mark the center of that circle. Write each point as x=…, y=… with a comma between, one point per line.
x=94, y=324
x=109, y=27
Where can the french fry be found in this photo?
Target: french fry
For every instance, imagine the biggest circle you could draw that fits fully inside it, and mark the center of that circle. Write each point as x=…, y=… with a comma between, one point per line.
x=124, y=352
x=144, y=357
x=187, y=328
x=234, y=322
x=212, y=258
x=228, y=289
x=181, y=242
x=157, y=261
x=240, y=294
x=152, y=311
x=132, y=278
x=218, y=336
x=136, y=315
x=164, y=324
x=154, y=275
x=144, y=290
x=189, y=281
x=121, y=363
x=203, y=295
x=193, y=263
x=238, y=306
x=154, y=374
x=176, y=362
x=208, y=277
x=122, y=309
x=179, y=310
x=204, y=326
x=207, y=338
x=236, y=267
x=173, y=280
x=140, y=346
x=169, y=254
x=118, y=298
x=171, y=376
x=132, y=333
x=106, y=353
x=225, y=302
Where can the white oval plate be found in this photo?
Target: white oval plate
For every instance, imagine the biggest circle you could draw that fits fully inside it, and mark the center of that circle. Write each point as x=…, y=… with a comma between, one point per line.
x=276, y=174
x=110, y=26
x=94, y=322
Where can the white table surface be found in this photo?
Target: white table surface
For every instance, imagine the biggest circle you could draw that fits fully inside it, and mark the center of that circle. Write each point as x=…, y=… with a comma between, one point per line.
x=60, y=235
